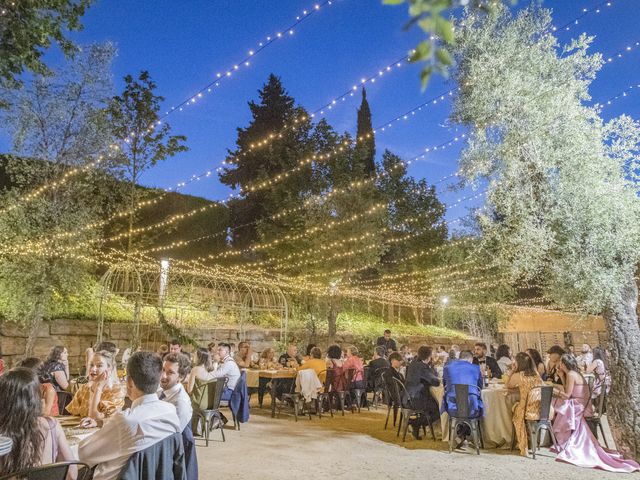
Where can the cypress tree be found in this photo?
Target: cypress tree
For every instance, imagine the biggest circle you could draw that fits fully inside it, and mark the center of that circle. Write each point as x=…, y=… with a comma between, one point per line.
x=366, y=143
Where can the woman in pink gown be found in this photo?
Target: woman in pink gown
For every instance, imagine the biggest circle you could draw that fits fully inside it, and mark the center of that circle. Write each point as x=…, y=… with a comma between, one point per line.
x=576, y=443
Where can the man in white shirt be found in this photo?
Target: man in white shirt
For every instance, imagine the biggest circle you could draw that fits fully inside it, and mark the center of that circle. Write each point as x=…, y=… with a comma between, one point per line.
x=585, y=358
x=149, y=421
x=228, y=368
x=175, y=369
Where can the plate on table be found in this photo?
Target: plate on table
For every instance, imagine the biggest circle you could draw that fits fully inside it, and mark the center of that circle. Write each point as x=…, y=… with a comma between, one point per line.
x=73, y=441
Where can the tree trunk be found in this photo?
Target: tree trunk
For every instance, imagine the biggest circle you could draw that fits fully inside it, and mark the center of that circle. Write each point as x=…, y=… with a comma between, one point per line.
x=34, y=328
x=334, y=309
x=624, y=342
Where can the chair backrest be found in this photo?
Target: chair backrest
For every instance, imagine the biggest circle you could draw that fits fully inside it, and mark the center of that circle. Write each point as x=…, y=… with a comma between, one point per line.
x=599, y=403
x=378, y=379
x=463, y=399
x=403, y=397
x=328, y=379
x=350, y=375
x=391, y=389
x=64, y=398
x=53, y=471
x=163, y=460
x=207, y=395
x=590, y=381
x=546, y=396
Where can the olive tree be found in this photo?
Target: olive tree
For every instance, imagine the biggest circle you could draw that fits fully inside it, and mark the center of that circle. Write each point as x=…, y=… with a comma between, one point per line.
x=561, y=205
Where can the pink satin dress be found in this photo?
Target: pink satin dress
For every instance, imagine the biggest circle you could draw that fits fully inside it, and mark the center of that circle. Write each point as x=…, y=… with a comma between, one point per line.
x=577, y=445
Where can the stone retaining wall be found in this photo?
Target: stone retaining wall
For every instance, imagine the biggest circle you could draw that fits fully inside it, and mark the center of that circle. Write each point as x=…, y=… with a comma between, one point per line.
x=78, y=335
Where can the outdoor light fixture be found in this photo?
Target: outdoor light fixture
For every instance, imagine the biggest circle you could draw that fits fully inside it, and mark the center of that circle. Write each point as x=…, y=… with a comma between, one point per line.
x=445, y=300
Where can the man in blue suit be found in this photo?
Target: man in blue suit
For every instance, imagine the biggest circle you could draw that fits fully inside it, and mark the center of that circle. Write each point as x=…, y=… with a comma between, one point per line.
x=462, y=372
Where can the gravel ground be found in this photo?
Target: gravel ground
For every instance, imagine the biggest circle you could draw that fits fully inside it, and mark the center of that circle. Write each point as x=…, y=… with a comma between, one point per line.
x=356, y=444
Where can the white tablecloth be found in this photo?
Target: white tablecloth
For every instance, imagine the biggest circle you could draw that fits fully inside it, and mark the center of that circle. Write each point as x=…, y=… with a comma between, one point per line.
x=497, y=427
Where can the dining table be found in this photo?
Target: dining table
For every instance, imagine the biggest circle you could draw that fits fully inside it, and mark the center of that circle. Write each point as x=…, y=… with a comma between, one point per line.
x=73, y=432
x=496, y=425
x=275, y=376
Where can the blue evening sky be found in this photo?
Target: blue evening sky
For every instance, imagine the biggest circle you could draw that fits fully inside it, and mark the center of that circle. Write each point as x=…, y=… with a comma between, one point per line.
x=185, y=43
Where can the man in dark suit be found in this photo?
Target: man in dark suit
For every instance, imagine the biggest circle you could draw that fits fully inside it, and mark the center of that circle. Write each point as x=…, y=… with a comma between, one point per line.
x=490, y=363
x=420, y=376
x=387, y=342
x=462, y=372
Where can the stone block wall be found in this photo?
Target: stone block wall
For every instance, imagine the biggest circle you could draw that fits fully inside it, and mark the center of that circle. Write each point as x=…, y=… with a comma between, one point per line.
x=78, y=335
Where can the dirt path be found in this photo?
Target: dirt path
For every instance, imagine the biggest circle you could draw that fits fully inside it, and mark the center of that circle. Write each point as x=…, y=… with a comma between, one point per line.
x=357, y=445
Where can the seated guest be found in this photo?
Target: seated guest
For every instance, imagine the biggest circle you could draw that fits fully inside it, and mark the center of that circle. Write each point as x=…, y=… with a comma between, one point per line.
x=307, y=355
x=387, y=342
x=489, y=364
x=245, y=358
x=175, y=346
x=571, y=350
x=103, y=394
x=576, y=443
x=377, y=366
x=524, y=376
x=102, y=346
x=598, y=368
x=37, y=439
x=163, y=350
x=227, y=369
x=537, y=361
x=503, y=356
x=396, y=361
x=420, y=376
x=175, y=368
x=462, y=372
x=585, y=358
x=267, y=360
x=442, y=355
x=334, y=361
x=201, y=369
x=555, y=352
x=354, y=362
x=456, y=351
x=406, y=353
x=316, y=364
x=290, y=358
x=48, y=394
x=57, y=367
x=150, y=420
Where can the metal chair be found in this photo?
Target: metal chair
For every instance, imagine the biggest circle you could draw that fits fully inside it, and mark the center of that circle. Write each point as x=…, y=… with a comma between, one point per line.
x=377, y=386
x=463, y=416
x=325, y=395
x=64, y=399
x=356, y=392
x=542, y=423
x=391, y=395
x=53, y=471
x=407, y=410
x=205, y=400
x=595, y=420
x=292, y=396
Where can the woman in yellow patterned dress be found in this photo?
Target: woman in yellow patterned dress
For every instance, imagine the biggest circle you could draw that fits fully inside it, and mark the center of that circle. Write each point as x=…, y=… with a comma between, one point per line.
x=524, y=376
x=103, y=395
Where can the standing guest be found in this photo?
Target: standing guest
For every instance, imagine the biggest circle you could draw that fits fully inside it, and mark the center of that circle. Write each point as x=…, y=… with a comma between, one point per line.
x=175, y=346
x=227, y=369
x=524, y=376
x=57, y=367
x=316, y=364
x=150, y=420
x=48, y=393
x=290, y=358
x=387, y=342
x=307, y=354
x=555, y=352
x=103, y=395
x=489, y=364
x=503, y=356
x=245, y=358
x=202, y=368
x=420, y=376
x=462, y=372
x=585, y=358
x=598, y=368
x=576, y=443
x=354, y=362
x=175, y=368
x=37, y=439
x=537, y=361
